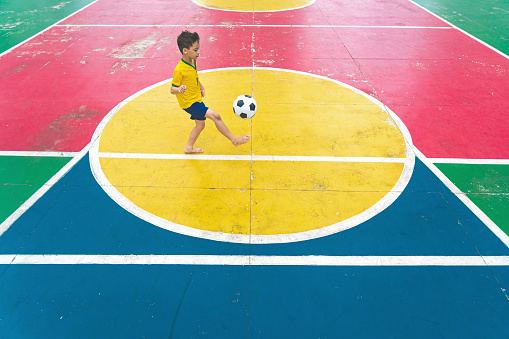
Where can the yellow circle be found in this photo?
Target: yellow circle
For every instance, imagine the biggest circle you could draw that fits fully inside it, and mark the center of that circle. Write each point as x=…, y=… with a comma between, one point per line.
x=321, y=153
x=254, y=6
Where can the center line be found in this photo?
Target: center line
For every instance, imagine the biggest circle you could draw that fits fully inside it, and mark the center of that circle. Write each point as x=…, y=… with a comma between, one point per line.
x=247, y=157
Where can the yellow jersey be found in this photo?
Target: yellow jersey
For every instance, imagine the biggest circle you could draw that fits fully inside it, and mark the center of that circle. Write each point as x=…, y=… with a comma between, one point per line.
x=187, y=75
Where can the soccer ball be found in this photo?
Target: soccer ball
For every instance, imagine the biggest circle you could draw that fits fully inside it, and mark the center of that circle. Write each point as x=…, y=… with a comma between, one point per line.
x=244, y=106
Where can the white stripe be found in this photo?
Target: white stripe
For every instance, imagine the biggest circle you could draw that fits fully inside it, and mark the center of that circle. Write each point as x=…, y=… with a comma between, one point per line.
x=246, y=157
x=4, y=226
x=241, y=260
x=38, y=154
x=470, y=161
x=261, y=25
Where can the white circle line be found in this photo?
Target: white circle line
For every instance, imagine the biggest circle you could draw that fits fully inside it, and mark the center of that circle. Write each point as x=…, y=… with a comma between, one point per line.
x=367, y=214
x=253, y=11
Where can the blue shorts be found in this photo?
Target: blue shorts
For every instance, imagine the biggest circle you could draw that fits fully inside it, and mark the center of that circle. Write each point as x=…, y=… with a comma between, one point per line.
x=197, y=111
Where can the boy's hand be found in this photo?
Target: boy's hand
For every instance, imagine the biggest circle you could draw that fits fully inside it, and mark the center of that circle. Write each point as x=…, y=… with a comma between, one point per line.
x=182, y=89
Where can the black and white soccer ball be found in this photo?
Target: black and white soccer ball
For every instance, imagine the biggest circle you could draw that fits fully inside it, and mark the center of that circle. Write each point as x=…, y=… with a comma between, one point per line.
x=244, y=106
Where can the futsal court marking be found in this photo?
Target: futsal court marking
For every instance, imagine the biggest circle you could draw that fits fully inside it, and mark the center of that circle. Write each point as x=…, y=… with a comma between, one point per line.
x=9, y=221
x=38, y=154
x=256, y=157
x=249, y=11
x=378, y=207
x=469, y=161
x=253, y=260
x=254, y=25
x=247, y=157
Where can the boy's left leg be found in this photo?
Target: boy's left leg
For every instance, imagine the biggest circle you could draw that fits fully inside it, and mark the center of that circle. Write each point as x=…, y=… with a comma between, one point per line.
x=221, y=126
x=195, y=133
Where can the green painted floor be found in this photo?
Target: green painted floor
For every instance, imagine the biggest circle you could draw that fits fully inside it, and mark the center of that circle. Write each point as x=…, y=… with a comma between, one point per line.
x=21, y=177
x=22, y=19
x=486, y=185
x=487, y=20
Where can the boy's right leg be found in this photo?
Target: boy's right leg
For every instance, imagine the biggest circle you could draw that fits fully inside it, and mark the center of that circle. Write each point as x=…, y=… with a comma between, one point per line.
x=220, y=125
x=195, y=133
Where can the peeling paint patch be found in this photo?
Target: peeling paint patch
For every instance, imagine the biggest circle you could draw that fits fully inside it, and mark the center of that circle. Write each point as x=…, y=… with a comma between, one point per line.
x=389, y=122
x=120, y=65
x=61, y=5
x=136, y=48
x=265, y=62
x=64, y=127
x=6, y=27
x=227, y=24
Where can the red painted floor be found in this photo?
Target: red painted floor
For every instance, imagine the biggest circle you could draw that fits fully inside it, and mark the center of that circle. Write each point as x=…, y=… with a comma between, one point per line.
x=450, y=90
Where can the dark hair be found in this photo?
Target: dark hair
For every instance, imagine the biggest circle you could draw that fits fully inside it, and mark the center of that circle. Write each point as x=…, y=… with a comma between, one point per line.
x=186, y=39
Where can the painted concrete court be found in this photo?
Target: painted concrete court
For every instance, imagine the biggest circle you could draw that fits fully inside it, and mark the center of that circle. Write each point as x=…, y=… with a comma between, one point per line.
x=371, y=200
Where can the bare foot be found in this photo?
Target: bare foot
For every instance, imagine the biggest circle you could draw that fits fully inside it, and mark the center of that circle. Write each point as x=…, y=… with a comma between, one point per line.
x=190, y=150
x=240, y=140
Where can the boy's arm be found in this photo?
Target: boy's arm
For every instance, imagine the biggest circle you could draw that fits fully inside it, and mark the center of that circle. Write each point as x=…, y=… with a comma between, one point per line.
x=176, y=90
x=202, y=89
x=176, y=86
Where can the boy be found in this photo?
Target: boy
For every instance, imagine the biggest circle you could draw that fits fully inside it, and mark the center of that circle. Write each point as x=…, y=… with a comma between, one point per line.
x=189, y=91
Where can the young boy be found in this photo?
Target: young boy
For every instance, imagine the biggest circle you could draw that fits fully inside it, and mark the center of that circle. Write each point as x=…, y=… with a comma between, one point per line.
x=189, y=91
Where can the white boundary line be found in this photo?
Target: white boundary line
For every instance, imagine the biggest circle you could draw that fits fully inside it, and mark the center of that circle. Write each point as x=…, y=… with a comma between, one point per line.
x=4, y=226
x=258, y=25
x=378, y=207
x=470, y=161
x=47, y=28
x=246, y=157
x=459, y=29
x=250, y=260
x=253, y=11
x=38, y=154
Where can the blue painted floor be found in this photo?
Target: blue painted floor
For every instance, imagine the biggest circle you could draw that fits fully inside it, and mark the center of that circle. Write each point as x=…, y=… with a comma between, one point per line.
x=77, y=217
x=189, y=301
x=132, y=301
